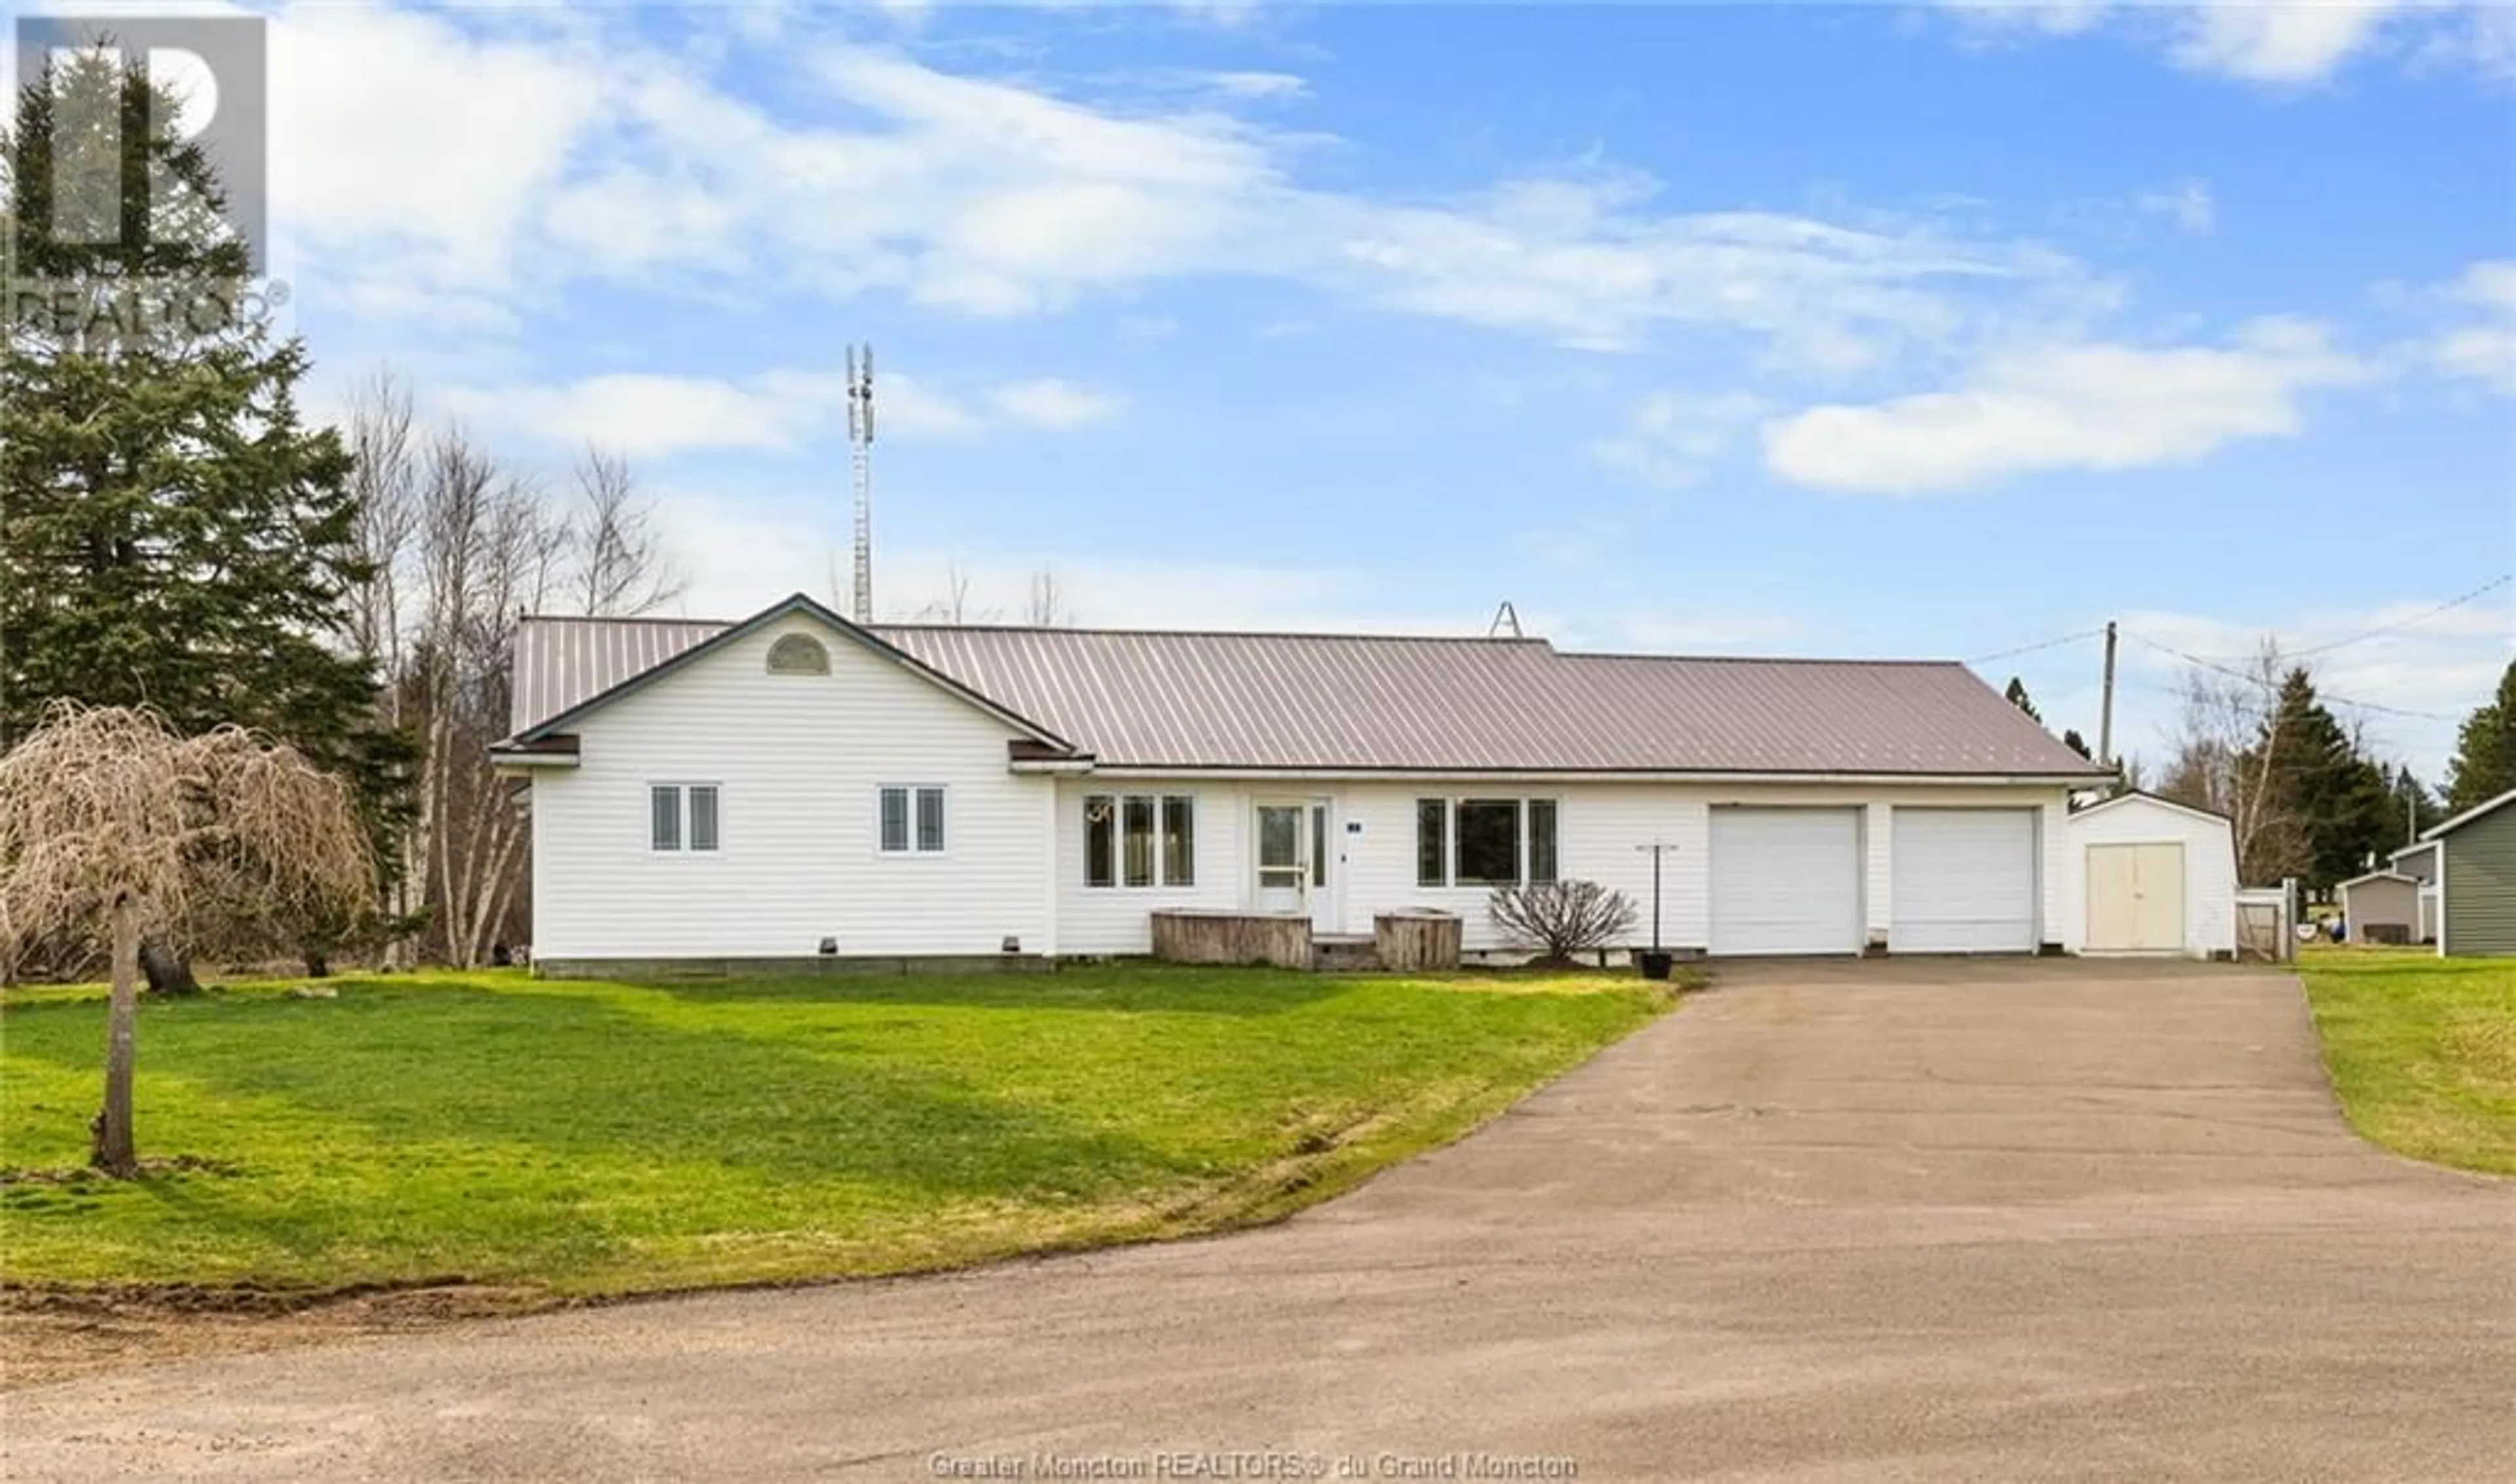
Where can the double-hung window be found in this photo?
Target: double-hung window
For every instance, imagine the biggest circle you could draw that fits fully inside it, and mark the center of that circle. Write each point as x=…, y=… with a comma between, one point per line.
x=910, y=820
x=682, y=817
x=1139, y=839
x=1485, y=841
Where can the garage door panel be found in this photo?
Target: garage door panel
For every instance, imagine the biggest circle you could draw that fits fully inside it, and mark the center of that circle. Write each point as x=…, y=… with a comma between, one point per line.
x=1785, y=881
x=1964, y=881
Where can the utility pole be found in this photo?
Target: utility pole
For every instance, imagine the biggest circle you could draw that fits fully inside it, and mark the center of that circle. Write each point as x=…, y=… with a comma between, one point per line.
x=2106, y=714
x=861, y=466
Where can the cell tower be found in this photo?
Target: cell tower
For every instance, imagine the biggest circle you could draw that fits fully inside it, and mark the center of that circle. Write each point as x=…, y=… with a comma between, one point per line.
x=861, y=461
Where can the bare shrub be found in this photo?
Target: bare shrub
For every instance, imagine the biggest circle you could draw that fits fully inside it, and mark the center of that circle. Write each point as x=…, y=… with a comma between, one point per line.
x=1561, y=919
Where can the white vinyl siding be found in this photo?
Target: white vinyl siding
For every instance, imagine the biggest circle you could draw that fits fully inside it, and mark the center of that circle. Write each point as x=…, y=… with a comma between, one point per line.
x=801, y=761
x=1094, y=915
x=1964, y=881
x=1785, y=881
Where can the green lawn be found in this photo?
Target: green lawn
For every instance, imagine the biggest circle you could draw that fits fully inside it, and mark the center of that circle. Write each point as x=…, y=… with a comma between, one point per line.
x=2422, y=1049
x=596, y=1137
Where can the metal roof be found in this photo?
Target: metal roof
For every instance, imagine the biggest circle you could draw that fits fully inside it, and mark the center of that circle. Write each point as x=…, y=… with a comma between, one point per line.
x=1385, y=704
x=564, y=663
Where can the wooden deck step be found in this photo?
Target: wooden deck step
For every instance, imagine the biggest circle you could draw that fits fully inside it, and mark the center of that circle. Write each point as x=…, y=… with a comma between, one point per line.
x=1343, y=953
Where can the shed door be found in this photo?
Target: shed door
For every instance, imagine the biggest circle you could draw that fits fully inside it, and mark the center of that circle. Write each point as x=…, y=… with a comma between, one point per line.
x=1964, y=881
x=2136, y=898
x=1785, y=881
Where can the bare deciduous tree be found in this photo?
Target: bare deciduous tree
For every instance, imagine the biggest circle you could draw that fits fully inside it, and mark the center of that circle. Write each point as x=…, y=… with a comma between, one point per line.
x=458, y=547
x=620, y=567
x=2223, y=758
x=1561, y=919
x=953, y=607
x=109, y=818
x=1046, y=606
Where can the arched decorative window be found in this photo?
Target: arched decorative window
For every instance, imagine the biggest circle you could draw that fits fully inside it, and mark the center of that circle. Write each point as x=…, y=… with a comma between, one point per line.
x=798, y=654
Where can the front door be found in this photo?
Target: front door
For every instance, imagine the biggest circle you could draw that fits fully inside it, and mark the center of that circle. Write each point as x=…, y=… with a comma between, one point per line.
x=1296, y=862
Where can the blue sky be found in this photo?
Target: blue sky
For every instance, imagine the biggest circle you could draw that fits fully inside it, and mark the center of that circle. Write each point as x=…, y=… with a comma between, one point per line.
x=1864, y=330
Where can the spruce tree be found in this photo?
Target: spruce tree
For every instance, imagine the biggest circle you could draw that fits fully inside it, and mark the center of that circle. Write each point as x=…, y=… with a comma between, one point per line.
x=2485, y=750
x=2340, y=801
x=171, y=533
x=2017, y=694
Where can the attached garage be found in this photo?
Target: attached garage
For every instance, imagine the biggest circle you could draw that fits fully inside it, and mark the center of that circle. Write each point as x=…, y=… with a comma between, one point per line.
x=1785, y=881
x=1964, y=881
x=2148, y=876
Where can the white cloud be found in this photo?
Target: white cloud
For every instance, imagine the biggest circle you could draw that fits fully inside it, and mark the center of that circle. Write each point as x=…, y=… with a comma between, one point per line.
x=1259, y=85
x=2062, y=406
x=2188, y=204
x=1673, y=437
x=647, y=415
x=1054, y=404
x=2283, y=43
x=2443, y=665
x=502, y=157
x=2469, y=330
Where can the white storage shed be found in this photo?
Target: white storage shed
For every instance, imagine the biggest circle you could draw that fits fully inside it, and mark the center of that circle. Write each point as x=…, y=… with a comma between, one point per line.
x=2148, y=876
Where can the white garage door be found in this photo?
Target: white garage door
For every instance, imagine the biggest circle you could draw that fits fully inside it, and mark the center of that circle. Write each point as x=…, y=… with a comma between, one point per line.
x=1786, y=880
x=1964, y=881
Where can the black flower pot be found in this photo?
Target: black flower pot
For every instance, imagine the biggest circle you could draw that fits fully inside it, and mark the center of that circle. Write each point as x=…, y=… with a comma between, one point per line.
x=1654, y=964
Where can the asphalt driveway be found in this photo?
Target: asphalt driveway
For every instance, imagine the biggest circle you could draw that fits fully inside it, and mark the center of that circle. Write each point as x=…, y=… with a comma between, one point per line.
x=2013, y=1220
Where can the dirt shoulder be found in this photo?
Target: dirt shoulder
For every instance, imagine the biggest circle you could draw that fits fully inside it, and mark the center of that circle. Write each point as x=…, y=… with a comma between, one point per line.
x=48, y=1336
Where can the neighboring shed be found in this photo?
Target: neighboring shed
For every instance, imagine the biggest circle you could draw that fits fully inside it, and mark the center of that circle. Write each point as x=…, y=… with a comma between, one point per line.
x=2477, y=879
x=2419, y=863
x=2381, y=906
x=2150, y=876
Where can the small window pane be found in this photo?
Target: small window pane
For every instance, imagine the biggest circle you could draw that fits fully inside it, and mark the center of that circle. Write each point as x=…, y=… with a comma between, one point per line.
x=1100, y=840
x=798, y=654
x=894, y=821
x=703, y=817
x=665, y=817
x=1139, y=839
x=1542, y=840
x=1432, y=841
x=930, y=820
x=1318, y=845
x=1489, y=842
x=1179, y=840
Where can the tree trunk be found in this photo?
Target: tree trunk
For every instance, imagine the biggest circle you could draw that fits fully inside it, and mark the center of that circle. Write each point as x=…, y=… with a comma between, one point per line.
x=319, y=963
x=168, y=967
x=114, y=1152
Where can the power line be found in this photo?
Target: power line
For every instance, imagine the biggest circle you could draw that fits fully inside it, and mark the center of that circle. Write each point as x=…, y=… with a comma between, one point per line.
x=2045, y=644
x=2273, y=685
x=2493, y=585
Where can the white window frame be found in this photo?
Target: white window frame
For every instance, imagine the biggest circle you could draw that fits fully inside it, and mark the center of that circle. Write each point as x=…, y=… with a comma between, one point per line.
x=1451, y=838
x=681, y=788
x=1160, y=800
x=912, y=850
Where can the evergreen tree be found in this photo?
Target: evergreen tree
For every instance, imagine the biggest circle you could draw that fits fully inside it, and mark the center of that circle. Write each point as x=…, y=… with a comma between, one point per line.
x=171, y=534
x=2017, y=694
x=2071, y=740
x=2340, y=802
x=2416, y=808
x=2485, y=750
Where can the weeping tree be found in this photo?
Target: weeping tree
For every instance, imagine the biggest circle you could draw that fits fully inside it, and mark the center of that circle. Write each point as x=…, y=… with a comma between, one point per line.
x=112, y=823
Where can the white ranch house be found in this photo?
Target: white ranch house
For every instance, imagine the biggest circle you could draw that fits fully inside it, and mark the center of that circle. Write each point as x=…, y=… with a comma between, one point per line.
x=795, y=788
